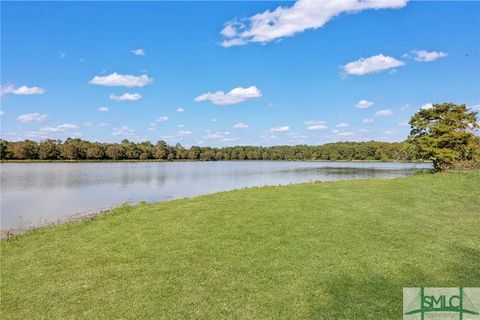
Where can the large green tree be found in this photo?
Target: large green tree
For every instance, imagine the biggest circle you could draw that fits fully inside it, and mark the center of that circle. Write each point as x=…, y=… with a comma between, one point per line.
x=445, y=134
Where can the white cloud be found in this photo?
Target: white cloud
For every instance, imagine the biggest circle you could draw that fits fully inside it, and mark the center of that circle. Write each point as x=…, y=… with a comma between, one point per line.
x=60, y=128
x=425, y=56
x=217, y=135
x=368, y=120
x=117, y=80
x=388, y=132
x=32, y=117
x=180, y=110
x=240, y=125
x=138, y=52
x=384, y=113
x=184, y=133
x=403, y=123
x=315, y=125
x=235, y=95
x=475, y=107
x=123, y=131
x=372, y=64
x=220, y=136
x=280, y=129
x=180, y=126
x=103, y=124
x=233, y=42
x=229, y=31
x=23, y=90
x=103, y=109
x=342, y=125
x=427, y=106
x=288, y=21
x=362, y=104
x=161, y=119
x=2, y=113
x=214, y=120
x=126, y=97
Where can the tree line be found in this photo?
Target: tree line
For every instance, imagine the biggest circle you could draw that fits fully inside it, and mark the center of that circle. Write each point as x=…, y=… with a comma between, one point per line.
x=77, y=149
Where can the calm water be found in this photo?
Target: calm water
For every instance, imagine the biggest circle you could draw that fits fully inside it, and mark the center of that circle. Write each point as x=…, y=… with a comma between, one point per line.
x=39, y=193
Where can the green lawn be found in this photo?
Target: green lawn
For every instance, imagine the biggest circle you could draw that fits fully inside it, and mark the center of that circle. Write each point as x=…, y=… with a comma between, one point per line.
x=336, y=250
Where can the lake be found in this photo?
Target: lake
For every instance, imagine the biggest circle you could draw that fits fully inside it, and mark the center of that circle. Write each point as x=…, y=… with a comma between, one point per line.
x=34, y=194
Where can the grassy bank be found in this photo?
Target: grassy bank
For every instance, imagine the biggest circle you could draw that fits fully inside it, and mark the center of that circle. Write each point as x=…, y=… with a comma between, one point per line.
x=336, y=250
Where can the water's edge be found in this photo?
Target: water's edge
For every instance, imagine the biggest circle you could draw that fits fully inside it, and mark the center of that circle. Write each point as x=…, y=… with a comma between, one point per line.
x=6, y=234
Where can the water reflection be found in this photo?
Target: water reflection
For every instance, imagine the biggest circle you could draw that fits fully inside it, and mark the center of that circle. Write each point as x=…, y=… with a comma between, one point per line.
x=48, y=192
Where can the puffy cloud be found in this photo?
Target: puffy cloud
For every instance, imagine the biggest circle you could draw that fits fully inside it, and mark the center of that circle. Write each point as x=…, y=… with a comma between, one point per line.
x=362, y=104
x=126, y=97
x=427, y=106
x=161, y=119
x=138, y=52
x=60, y=128
x=233, y=42
x=315, y=125
x=240, y=125
x=214, y=120
x=229, y=31
x=184, y=133
x=288, y=21
x=23, y=90
x=475, y=107
x=103, y=109
x=371, y=64
x=118, y=80
x=234, y=96
x=368, y=120
x=32, y=117
x=425, y=56
x=342, y=125
x=123, y=131
x=280, y=129
x=403, y=123
x=384, y=113
x=180, y=110
x=220, y=136
x=2, y=113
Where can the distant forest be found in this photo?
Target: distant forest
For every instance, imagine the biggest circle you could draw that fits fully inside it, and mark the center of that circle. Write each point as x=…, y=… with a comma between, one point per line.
x=77, y=149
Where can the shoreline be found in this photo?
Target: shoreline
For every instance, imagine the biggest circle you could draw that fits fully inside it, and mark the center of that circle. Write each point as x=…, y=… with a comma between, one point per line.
x=6, y=234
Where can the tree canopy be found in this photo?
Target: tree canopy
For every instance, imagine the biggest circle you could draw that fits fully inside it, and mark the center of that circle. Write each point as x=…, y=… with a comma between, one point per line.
x=445, y=134
x=77, y=149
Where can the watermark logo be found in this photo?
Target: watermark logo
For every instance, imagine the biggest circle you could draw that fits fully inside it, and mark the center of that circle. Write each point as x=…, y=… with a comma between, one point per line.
x=441, y=303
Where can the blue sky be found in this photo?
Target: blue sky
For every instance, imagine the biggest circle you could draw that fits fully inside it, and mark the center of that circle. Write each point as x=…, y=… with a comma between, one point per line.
x=233, y=73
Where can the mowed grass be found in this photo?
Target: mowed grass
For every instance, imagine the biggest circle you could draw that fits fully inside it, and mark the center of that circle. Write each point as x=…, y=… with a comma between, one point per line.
x=336, y=250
